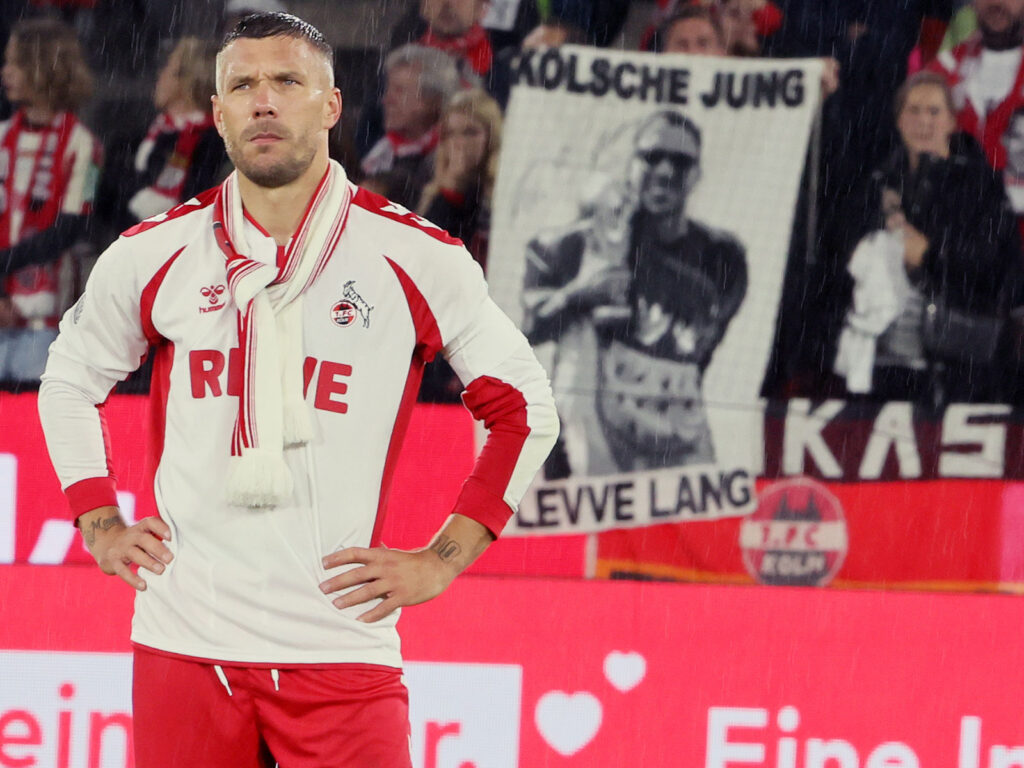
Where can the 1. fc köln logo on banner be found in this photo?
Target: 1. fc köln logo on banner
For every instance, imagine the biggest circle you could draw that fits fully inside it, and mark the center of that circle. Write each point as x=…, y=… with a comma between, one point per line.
x=796, y=537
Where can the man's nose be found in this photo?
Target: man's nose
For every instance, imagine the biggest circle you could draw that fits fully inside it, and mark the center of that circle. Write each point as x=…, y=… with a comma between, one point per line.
x=664, y=167
x=264, y=104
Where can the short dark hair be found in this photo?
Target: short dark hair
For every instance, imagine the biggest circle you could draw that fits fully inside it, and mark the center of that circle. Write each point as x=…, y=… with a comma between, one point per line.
x=686, y=13
x=257, y=26
x=675, y=120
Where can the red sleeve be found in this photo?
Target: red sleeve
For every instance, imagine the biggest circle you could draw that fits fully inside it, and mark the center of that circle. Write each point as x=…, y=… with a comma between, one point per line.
x=502, y=408
x=93, y=493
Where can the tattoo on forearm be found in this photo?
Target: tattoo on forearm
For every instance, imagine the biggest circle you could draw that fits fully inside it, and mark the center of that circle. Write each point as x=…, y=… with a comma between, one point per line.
x=447, y=548
x=103, y=524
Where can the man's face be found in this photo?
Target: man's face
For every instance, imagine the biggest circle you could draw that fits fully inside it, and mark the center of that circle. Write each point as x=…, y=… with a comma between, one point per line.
x=407, y=110
x=693, y=36
x=665, y=168
x=999, y=18
x=275, y=103
x=665, y=181
x=451, y=18
x=15, y=81
x=1013, y=140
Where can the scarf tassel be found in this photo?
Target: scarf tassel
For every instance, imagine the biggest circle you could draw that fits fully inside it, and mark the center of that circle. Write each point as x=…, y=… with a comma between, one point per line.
x=259, y=478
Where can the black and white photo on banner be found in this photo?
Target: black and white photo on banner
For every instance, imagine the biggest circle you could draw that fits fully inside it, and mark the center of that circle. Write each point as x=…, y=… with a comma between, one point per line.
x=643, y=214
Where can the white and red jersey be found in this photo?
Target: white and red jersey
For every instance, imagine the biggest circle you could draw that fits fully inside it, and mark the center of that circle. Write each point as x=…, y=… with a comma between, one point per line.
x=987, y=87
x=243, y=585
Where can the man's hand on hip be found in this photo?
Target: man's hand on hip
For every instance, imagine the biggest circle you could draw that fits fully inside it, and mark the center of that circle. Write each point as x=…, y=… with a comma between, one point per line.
x=396, y=576
x=117, y=546
x=401, y=578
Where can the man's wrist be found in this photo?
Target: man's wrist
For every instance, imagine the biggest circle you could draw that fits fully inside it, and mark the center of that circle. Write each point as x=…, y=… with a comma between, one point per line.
x=96, y=522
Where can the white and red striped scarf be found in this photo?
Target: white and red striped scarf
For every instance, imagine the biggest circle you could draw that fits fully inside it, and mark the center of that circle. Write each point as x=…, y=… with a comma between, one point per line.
x=272, y=413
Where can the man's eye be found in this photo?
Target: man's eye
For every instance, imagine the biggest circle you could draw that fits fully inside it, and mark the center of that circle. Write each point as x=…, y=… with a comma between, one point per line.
x=240, y=86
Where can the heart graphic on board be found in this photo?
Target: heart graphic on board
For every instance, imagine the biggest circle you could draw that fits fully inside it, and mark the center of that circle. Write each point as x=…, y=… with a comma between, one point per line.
x=567, y=721
x=625, y=670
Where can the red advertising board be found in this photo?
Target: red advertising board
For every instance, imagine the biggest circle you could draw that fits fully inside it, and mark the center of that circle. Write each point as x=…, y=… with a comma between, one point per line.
x=437, y=456
x=924, y=532
x=550, y=672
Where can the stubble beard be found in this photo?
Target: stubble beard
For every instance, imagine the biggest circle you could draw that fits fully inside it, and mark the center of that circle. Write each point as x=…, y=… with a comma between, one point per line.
x=271, y=175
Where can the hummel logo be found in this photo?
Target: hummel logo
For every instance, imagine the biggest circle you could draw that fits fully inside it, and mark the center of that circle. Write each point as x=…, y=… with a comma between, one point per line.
x=212, y=294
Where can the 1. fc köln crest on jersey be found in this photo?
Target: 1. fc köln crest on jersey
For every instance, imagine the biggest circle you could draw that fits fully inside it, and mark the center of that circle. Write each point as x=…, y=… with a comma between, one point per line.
x=797, y=536
x=351, y=307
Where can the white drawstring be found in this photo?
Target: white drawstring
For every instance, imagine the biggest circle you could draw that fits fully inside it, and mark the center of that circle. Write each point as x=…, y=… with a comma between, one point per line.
x=223, y=678
x=276, y=677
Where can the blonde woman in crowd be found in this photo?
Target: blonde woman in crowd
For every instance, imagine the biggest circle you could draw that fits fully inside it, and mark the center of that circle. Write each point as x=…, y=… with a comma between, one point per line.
x=458, y=197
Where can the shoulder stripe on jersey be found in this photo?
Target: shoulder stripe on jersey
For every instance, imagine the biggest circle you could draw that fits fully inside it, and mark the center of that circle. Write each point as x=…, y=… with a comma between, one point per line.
x=148, y=298
x=428, y=337
x=197, y=203
x=381, y=206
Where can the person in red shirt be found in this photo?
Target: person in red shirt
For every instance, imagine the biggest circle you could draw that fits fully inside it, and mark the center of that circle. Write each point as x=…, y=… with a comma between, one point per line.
x=453, y=26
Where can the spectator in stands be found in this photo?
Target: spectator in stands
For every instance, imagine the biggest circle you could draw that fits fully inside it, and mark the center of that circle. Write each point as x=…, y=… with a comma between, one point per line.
x=935, y=257
x=451, y=26
x=746, y=24
x=419, y=81
x=182, y=154
x=48, y=168
x=986, y=73
x=458, y=199
x=692, y=29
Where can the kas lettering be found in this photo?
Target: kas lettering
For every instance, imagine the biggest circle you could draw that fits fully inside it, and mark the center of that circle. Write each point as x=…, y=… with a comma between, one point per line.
x=206, y=369
x=975, y=436
x=727, y=750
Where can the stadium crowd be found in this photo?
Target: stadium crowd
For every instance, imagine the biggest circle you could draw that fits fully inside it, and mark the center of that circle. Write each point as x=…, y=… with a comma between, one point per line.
x=920, y=161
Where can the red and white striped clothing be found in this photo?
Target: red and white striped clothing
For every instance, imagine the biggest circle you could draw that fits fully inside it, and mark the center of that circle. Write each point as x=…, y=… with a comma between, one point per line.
x=243, y=585
x=44, y=171
x=988, y=87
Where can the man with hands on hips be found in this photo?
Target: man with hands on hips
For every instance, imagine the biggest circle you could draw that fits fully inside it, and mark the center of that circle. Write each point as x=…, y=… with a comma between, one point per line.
x=290, y=314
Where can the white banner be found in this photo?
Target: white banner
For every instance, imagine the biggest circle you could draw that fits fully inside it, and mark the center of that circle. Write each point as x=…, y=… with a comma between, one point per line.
x=641, y=227
x=633, y=500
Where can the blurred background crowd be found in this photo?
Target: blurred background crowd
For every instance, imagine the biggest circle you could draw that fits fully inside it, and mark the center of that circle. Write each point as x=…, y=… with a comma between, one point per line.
x=919, y=157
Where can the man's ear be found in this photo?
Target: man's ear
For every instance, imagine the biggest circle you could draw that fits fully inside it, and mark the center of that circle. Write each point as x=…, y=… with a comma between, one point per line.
x=218, y=116
x=332, y=110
